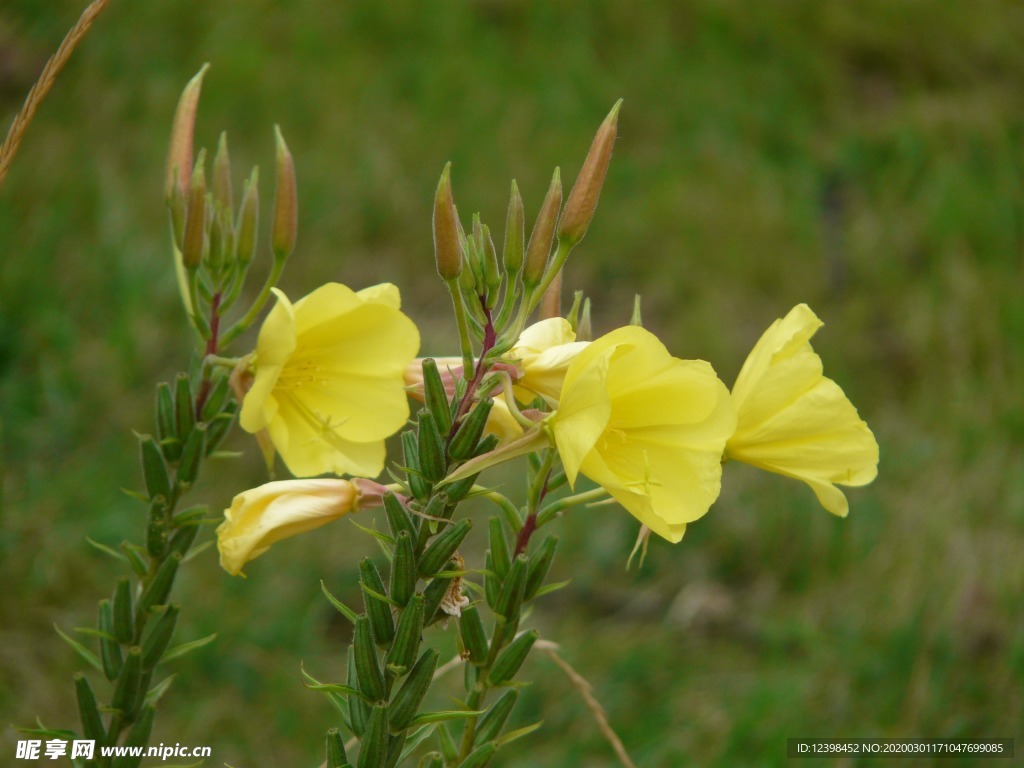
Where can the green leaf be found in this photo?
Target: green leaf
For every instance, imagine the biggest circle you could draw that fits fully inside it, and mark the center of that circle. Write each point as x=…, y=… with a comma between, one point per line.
x=196, y=550
x=379, y=535
x=345, y=611
x=548, y=588
x=338, y=688
x=440, y=717
x=108, y=550
x=383, y=598
x=154, y=694
x=415, y=739
x=181, y=650
x=84, y=652
x=95, y=633
x=518, y=733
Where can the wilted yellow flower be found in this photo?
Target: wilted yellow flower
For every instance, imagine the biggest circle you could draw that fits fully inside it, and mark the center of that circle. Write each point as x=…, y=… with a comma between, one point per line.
x=275, y=511
x=646, y=426
x=794, y=421
x=542, y=355
x=329, y=378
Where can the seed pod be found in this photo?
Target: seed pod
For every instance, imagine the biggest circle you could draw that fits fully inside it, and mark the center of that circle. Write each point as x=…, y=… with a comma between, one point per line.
x=492, y=584
x=156, y=527
x=539, y=249
x=368, y=672
x=137, y=737
x=374, y=749
x=396, y=743
x=511, y=596
x=154, y=470
x=158, y=589
x=435, y=396
x=159, y=637
x=124, y=626
x=493, y=720
x=480, y=756
x=407, y=638
x=406, y=703
x=184, y=406
x=219, y=426
x=474, y=639
x=379, y=612
x=431, y=448
x=182, y=539
x=358, y=709
x=336, y=757
x=398, y=516
x=433, y=595
x=501, y=558
x=463, y=445
x=540, y=562
x=511, y=659
x=192, y=456
x=126, y=688
x=432, y=760
x=166, y=429
x=88, y=711
x=443, y=547
x=457, y=491
x=418, y=483
x=403, y=569
x=220, y=391
x=110, y=651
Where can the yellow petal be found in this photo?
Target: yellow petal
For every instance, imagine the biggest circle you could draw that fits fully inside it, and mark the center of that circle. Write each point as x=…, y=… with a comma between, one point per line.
x=583, y=412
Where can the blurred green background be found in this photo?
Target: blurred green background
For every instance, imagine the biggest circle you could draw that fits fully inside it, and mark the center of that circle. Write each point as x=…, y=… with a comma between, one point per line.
x=867, y=158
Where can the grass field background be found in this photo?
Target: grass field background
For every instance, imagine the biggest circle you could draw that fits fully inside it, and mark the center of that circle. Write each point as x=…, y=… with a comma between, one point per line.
x=867, y=158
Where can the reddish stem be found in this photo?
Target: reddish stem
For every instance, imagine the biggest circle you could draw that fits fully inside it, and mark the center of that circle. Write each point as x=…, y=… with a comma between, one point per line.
x=490, y=338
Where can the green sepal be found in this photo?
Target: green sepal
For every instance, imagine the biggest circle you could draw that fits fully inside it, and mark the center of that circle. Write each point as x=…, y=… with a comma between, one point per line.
x=480, y=756
x=435, y=397
x=88, y=711
x=368, y=671
x=358, y=709
x=403, y=569
x=192, y=456
x=336, y=757
x=124, y=622
x=433, y=594
x=377, y=609
x=501, y=556
x=406, y=702
x=126, y=688
x=463, y=444
x=407, y=638
x=443, y=547
x=154, y=470
x=219, y=392
x=511, y=596
x=511, y=659
x=430, y=446
x=138, y=736
x=471, y=631
x=110, y=650
x=159, y=637
x=184, y=406
x=398, y=516
x=159, y=588
x=166, y=431
x=373, y=751
x=540, y=562
x=419, y=486
x=493, y=721
x=183, y=538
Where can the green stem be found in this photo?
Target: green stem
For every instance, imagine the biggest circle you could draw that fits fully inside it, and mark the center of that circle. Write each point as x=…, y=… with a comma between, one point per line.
x=552, y=510
x=249, y=318
x=465, y=343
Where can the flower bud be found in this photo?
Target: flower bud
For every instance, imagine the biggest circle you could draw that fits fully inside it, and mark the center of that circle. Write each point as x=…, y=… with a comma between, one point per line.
x=492, y=274
x=286, y=203
x=245, y=236
x=195, y=219
x=582, y=202
x=222, y=175
x=512, y=253
x=539, y=249
x=551, y=301
x=447, y=248
x=179, y=157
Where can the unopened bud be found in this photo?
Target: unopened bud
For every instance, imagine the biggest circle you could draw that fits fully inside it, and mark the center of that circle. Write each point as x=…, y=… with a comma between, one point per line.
x=636, y=318
x=179, y=157
x=539, y=249
x=585, y=329
x=195, y=217
x=178, y=206
x=245, y=247
x=582, y=202
x=222, y=175
x=551, y=302
x=492, y=274
x=447, y=248
x=286, y=203
x=514, y=237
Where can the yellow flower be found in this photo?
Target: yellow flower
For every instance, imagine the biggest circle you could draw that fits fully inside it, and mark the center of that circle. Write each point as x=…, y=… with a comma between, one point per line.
x=543, y=354
x=275, y=511
x=794, y=421
x=646, y=426
x=329, y=378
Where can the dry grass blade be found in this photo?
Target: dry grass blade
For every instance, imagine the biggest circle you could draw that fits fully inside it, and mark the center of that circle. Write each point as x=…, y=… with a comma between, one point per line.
x=45, y=82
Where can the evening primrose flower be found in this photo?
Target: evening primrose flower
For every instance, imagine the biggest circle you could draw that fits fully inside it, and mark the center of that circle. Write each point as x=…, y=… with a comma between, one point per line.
x=648, y=427
x=543, y=354
x=275, y=511
x=794, y=421
x=328, y=384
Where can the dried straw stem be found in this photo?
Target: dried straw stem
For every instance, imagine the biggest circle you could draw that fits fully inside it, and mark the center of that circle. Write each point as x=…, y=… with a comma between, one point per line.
x=45, y=82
